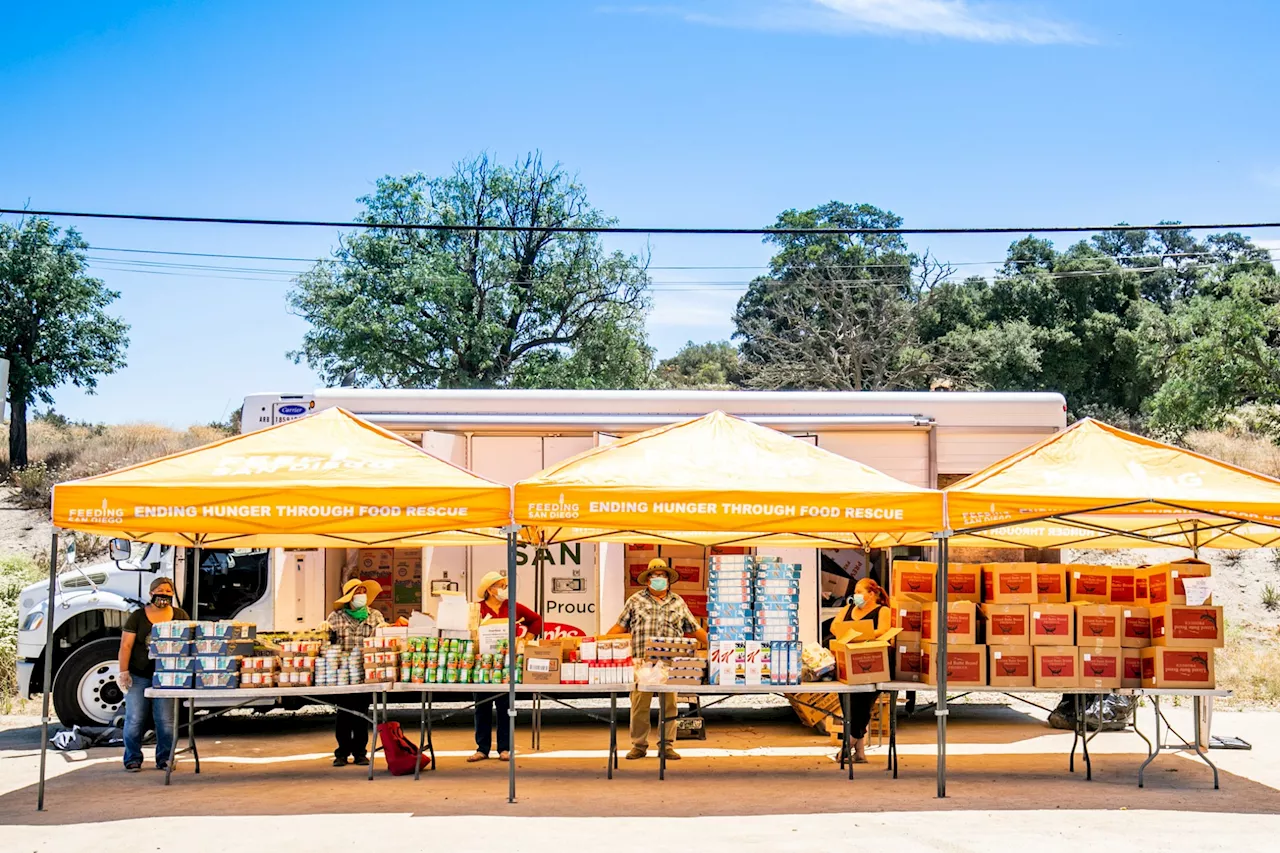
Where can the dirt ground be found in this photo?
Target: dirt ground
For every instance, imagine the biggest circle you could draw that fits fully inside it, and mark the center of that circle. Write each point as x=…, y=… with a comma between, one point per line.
x=22, y=531
x=759, y=777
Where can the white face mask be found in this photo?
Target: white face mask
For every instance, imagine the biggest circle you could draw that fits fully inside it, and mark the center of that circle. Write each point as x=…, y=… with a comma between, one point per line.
x=500, y=594
x=359, y=600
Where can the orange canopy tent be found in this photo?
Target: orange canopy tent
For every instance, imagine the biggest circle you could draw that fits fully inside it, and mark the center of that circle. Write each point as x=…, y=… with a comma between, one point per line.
x=718, y=480
x=329, y=479
x=1093, y=485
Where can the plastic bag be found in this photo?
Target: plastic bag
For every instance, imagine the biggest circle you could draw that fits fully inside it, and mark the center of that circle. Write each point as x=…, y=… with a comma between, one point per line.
x=1101, y=712
x=650, y=674
x=817, y=663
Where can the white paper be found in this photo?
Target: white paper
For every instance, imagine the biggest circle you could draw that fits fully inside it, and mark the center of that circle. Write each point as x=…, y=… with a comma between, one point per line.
x=1198, y=590
x=453, y=613
x=999, y=655
x=1128, y=614
x=1035, y=614
x=488, y=636
x=1087, y=657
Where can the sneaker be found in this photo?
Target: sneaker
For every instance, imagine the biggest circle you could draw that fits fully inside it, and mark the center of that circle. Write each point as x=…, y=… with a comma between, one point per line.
x=360, y=761
x=670, y=754
x=637, y=752
x=339, y=761
x=133, y=768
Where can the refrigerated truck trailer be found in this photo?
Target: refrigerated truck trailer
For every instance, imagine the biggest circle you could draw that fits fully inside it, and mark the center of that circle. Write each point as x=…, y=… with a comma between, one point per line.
x=927, y=439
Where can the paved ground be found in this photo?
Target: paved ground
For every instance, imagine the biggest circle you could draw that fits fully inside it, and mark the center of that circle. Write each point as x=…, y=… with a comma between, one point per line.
x=760, y=781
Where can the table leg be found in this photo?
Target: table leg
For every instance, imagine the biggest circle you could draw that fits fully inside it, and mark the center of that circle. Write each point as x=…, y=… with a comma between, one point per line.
x=422, y=733
x=893, y=733
x=1155, y=703
x=1075, y=732
x=1201, y=752
x=1139, y=733
x=1084, y=735
x=168, y=771
x=613, y=732
x=191, y=734
x=373, y=741
x=430, y=735
x=846, y=711
x=662, y=736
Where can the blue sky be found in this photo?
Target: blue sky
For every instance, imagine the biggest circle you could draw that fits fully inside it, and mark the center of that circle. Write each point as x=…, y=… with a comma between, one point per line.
x=718, y=113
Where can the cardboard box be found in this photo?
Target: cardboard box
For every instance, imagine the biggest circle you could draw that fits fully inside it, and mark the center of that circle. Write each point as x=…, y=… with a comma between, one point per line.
x=1006, y=624
x=861, y=663
x=964, y=582
x=1053, y=625
x=1164, y=581
x=1180, y=626
x=1011, y=666
x=908, y=665
x=1132, y=673
x=1123, y=587
x=1166, y=667
x=908, y=616
x=1051, y=583
x=1057, y=666
x=913, y=580
x=1089, y=583
x=962, y=623
x=966, y=664
x=1099, y=623
x=1009, y=583
x=542, y=663
x=1135, y=628
x=1101, y=667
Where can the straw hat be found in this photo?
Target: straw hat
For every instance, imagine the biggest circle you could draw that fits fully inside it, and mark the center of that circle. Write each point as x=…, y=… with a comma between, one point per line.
x=658, y=565
x=372, y=588
x=487, y=581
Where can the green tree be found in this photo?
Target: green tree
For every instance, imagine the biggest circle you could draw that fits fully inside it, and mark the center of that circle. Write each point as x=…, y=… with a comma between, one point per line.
x=477, y=309
x=715, y=365
x=839, y=311
x=54, y=328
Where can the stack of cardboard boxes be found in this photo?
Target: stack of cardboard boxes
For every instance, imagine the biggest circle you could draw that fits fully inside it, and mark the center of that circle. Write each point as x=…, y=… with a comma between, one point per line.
x=1012, y=625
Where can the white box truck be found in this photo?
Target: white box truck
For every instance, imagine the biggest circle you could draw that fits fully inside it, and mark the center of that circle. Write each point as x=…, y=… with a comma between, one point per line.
x=926, y=439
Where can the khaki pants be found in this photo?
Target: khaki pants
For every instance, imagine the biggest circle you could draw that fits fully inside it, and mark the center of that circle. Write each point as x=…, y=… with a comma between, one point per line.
x=641, y=704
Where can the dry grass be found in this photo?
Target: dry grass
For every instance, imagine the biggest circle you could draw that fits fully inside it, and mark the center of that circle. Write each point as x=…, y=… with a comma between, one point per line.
x=1250, y=666
x=15, y=573
x=68, y=452
x=1255, y=452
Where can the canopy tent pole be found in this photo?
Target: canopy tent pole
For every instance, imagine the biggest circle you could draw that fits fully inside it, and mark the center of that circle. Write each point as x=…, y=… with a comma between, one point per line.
x=48, y=663
x=191, y=703
x=512, y=549
x=941, y=623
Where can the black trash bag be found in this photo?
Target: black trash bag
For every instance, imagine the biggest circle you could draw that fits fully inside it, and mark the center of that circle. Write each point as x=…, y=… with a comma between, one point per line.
x=1101, y=712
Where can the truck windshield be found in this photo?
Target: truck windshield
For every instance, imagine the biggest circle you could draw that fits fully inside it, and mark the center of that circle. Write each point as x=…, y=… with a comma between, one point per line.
x=230, y=581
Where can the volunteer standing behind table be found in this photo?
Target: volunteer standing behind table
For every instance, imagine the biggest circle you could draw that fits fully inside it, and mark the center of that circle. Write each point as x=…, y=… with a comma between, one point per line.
x=494, y=606
x=137, y=670
x=349, y=624
x=870, y=607
x=655, y=611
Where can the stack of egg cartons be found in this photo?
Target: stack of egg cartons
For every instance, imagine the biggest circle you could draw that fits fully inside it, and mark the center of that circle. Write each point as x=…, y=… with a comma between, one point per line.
x=776, y=588
x=730, y=616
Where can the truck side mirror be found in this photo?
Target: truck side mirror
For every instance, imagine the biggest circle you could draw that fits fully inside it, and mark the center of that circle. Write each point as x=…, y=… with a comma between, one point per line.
x=121, y=549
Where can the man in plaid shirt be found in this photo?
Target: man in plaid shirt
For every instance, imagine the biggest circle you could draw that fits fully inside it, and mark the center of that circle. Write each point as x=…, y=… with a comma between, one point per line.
x=655, y=611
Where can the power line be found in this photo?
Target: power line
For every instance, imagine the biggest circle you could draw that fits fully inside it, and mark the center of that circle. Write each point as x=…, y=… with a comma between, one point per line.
x=616, y=229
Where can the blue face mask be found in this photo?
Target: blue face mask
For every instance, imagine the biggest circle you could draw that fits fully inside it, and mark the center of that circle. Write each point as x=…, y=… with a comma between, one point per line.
x=859, y=599
x=658, y=583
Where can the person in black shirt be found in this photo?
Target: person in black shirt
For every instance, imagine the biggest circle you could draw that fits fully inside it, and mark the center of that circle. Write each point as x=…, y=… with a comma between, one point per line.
x=136, y=672
x=870, y=606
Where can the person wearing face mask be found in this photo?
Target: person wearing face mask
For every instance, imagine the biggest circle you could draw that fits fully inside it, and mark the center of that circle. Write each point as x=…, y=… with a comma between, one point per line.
x=495, y=606
x=868, y=612
x=349, y=624
x=137, y=670
x=655, y=611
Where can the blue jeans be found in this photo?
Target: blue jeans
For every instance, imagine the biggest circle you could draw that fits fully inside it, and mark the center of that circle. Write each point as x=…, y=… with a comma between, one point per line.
x=141, y=713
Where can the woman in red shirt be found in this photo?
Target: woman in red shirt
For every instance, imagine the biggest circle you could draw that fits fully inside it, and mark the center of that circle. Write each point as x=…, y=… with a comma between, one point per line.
x=495, y=606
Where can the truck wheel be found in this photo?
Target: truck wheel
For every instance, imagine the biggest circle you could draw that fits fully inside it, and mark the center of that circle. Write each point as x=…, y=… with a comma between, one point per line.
x=85, y=690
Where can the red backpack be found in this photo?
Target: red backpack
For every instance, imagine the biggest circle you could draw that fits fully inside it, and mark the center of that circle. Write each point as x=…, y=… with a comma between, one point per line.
x=401, y=754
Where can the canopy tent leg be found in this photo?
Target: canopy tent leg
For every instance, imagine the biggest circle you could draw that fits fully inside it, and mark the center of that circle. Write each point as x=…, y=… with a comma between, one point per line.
x=48, y=664
x=940, y=710
x=191, y=703
x=512, y=549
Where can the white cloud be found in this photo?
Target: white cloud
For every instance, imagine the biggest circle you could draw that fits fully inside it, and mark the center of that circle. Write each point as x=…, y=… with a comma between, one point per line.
x=953, y=19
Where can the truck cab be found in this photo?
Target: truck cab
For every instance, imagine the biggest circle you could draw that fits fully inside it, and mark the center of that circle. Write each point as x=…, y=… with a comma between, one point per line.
x=90, y=607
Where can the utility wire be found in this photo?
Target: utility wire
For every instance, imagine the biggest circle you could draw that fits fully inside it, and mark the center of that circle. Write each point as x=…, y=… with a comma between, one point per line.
x=616, y=229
